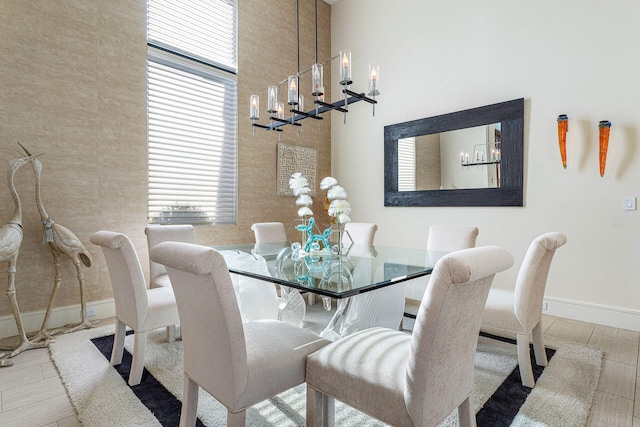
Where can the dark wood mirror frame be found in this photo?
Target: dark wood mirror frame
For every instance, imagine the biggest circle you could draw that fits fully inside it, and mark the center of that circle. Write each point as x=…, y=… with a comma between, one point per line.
x=509, y=114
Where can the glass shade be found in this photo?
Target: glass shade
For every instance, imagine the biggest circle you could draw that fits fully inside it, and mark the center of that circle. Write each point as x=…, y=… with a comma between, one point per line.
x=317, y=80
x=272, y=99
x=301, y=103
x=292, y=85
x=374, y=79
x=254, y=107
x=345, y=67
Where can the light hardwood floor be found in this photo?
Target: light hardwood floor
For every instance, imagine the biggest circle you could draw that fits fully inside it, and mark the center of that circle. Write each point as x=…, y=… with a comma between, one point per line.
x=32, y=394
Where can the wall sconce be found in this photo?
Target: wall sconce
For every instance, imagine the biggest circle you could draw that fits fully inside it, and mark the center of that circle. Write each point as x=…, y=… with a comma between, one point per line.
x=603, y=129
x=563, y=128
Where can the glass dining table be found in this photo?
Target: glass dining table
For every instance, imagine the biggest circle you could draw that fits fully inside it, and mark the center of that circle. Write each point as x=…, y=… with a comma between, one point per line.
x=367, y=281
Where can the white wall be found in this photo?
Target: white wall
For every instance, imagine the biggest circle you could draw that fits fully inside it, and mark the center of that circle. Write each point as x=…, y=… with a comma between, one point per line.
x=572, y=57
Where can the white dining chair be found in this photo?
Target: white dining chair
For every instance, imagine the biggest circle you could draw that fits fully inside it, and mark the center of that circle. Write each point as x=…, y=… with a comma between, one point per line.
x=137, y=307
x=239, y=364
x=359, y=233
x=269, y=232
x=417, y=379
x=441, y=238
x=520, y=311
x=161, y=233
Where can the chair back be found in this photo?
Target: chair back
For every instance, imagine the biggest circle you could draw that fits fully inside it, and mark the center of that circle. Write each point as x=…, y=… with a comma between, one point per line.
x=127, y=279
x=166, y=233
x=532, y=278
x=440, y=372
x=215, y=354
x=269, y=232
x=449, y=238
x=362, y=233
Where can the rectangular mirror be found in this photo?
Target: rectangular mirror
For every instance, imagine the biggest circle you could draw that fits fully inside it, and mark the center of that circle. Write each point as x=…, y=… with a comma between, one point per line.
x=467, y=158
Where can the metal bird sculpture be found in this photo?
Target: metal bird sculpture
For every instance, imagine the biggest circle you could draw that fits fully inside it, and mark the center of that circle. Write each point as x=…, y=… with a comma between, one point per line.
x=62, y=241
x=10, y=241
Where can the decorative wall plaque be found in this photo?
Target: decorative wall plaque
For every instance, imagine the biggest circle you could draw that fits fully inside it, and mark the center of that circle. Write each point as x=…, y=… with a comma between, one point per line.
x=291, y=159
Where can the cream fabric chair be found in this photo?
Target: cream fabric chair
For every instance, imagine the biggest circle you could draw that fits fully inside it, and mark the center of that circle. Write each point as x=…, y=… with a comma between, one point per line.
x=269, y=232
x=418, y=379
x=359, y=233
x=520, y=311
x=162, y=233
x=238, y=364
x=137, y=307
x=443, y=238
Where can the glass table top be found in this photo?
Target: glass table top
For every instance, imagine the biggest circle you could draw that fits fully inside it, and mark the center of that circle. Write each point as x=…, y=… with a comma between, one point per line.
x=358, y=269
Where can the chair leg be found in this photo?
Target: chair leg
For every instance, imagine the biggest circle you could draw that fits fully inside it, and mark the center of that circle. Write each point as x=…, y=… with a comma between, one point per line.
x=236, y=419
x=466, y=415
x=538, y=345
x=171, y=333
x=321, y=408
x=137, y=362
x=314, y=407
x=329, y=411
x=189, y=411
x=118, y=343
x=524, y=360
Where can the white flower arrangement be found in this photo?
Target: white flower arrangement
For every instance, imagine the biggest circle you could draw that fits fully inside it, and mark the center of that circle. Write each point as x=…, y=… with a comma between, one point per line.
x=300, y=187
x=339, y=207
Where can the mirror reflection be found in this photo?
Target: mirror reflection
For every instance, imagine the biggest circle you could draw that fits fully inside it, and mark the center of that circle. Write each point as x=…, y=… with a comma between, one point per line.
x=459, y=159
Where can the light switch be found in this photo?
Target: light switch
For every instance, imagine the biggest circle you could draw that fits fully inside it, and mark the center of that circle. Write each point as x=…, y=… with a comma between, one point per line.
x=629, y=203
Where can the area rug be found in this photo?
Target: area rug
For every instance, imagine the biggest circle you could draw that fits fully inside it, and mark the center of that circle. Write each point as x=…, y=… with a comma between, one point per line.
x=562, y=397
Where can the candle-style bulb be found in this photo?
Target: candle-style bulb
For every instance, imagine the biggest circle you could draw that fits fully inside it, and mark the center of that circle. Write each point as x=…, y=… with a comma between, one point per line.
x=272, y=99
x=293, y=90
x=317, y=88
x=374, y=78
x=254, y=107
x=345, y=67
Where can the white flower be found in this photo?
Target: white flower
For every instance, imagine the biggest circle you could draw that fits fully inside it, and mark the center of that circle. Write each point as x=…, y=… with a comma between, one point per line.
x=343, y=219
x=304, y=200
x=303, y=211
x=299, y=184
x=338, y=207
x=328, y=182
x=336, y=192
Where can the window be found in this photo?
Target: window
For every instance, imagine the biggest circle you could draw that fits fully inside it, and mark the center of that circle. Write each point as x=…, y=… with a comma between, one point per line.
x=192, y=111
x=406, y=164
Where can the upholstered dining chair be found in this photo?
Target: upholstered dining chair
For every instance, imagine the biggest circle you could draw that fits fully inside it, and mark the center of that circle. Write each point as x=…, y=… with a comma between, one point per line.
x=417, y=379
x=442, y=238
x=162, y=233
x=269, y=232
x=137, y=307
x=520, y=311
x=238, y=364
x=359, y=233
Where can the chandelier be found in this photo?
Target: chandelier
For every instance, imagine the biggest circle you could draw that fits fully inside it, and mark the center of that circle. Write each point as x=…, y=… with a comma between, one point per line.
x=295, y=100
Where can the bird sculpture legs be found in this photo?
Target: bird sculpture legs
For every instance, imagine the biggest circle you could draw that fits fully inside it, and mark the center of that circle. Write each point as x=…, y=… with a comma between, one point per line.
x=24, y=343
x=44, y=333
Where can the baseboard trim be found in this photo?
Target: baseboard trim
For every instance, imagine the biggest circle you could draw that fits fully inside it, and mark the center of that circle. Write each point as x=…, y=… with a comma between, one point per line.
x=60, y=316
x=594, y=313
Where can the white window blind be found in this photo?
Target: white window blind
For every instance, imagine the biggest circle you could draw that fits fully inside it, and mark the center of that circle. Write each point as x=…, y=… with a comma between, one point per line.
x=192, y=114
x=204, y=30
x=406, y=164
